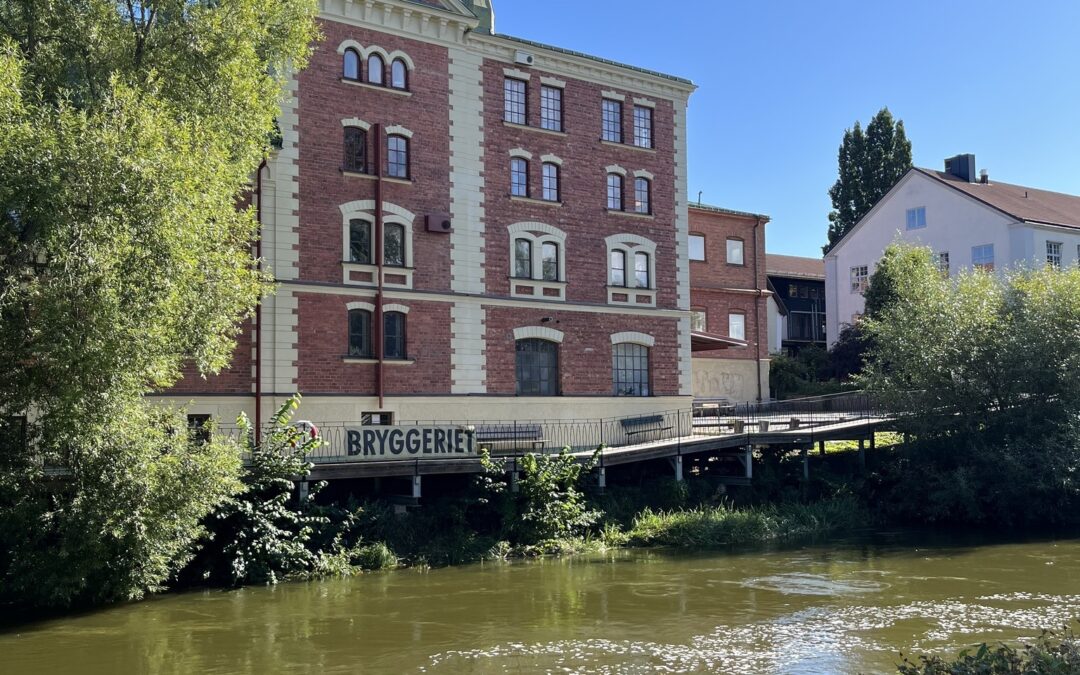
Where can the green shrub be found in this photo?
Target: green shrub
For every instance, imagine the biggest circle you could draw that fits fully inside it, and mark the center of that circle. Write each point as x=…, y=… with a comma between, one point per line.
x=376, y=556
x=1050, y=654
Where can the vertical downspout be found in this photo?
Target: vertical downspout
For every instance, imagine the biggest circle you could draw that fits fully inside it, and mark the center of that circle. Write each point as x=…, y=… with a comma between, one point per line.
x=256, y=336
x=757, y=310
x=377, y=329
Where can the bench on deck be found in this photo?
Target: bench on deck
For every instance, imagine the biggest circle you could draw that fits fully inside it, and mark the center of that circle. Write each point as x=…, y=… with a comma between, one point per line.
x=643, y=425
x=510, y=434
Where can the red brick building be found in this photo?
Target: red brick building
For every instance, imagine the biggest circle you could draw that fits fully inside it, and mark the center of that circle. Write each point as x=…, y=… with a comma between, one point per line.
x=728, y=304
x=465, y=225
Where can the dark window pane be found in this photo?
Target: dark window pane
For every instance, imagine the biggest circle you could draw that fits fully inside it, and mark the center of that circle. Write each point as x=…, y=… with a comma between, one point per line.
x=643, y=127
x=514, y=101
x=351, y=65
x=641, y=195
x=630, y=369
x=375, y=69
x=394, y=247
x=618, y=268
x=641, y=269
x=360, y=333
x=399, y=75
x=551, y=182
x=394, y=335
x=355, y=149
x=537, y=368
x=523, y=259
x=551, y=108
x=360, y=242
x=550, y=253
x=397, y=157
x=612, y=121
x=519, y=177
x=614, y=192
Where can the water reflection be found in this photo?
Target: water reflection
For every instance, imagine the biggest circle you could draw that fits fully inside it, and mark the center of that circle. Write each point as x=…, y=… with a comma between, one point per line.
x=845, y=608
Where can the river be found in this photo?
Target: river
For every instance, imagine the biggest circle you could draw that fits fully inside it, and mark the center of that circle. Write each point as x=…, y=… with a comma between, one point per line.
x=846, y=606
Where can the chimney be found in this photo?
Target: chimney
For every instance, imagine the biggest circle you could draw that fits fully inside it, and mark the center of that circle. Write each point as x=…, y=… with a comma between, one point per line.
x=961, y=166
x=984, y=176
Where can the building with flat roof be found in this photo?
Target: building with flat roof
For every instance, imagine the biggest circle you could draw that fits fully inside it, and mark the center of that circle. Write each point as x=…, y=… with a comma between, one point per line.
x=464, y=225
x=797, y=304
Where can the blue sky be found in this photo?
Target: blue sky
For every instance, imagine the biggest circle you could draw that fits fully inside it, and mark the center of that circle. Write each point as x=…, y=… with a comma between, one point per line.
x=780, y=81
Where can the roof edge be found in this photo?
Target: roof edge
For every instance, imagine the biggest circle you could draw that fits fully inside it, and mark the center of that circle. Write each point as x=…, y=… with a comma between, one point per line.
x=698, y=206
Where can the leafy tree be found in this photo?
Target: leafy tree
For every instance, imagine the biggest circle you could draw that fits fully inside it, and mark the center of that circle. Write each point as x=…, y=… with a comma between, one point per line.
x=870, y=164
x=130, y=132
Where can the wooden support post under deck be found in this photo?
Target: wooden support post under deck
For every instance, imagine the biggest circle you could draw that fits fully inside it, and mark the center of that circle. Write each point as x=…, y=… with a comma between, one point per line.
x=416, y=487
x=601, y=478
x=805, y=463
x=873, y=440
x=677, y=461
x=749, y=462
x=303, y=490
x=862, y=454
x=514, y=481
x=821, y=448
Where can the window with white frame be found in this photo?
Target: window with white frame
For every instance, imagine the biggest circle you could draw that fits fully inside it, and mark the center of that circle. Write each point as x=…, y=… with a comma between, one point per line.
x=942, y=261
x=735, y=252
x=514, y=101
x=916, y=218
x=631, y=270
x=1053, y=253
x=551, y=111
x=359, y=244
x=860, y=278
x=643, y=127
x=697, y=247
x=982, y=257
x=538, y=256
x=737, y=325
x=698, y=320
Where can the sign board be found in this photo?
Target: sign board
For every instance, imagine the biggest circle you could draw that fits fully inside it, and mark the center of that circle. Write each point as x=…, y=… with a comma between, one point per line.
x=393, y=442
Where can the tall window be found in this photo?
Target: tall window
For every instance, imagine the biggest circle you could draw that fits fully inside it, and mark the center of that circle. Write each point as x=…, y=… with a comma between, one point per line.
x=643, y=127
x=942, y=261
x=860, y=278
x=1053, y=253
x=916, y=218
x=394, y=335
x=397, y=156
x=351, y=65
x=618, y=268
x=551, y=181
x=982, y=257
x=537, y=368
x=549, y=257
x=630, y=369
x=375, y=67
x=611, y=129
x=641, y=270
x=614, y=192
x=735, y=252
x=551, y=115
x=737, y=325
x=514, y=101
x=642, y=190
x=399, y=75
x=360, y=333
x=697, y=247
x=698, y=320
x=355, y=150
x=523, y=259
x=360, y=241
x=519, y=177
x=394, y=245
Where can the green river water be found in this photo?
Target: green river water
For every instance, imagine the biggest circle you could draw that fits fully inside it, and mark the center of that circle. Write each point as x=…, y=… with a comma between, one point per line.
x=844, y=606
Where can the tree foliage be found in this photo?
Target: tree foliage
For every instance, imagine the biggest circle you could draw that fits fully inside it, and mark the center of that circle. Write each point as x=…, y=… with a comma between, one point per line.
x=870, y=163
x=130, y=131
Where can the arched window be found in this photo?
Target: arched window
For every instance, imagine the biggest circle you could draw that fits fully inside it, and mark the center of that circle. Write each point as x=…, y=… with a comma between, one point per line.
x=523, y=259
x=355, y=150
x=394, y=335
x=397, y=156
x=351, y=65
x=630, y=369
x=618, y=268
x=549, y=253
x=537, y=367
x=399, y=75
x=551, y=181
x=360, y=333
x=614, y=192
x=375, y=67
x=641, y=270
x=642, y=195
x=519, y=177
x=360, y=241
x=394, y=245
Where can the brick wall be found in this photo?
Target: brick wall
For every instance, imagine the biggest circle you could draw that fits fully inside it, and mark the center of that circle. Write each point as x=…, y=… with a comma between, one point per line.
x=234, y=379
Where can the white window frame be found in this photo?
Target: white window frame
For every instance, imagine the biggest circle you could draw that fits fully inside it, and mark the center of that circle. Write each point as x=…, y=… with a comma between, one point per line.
x=703, y=326
x=942, y=261
x=915, y=218
x=742, y=323
x=690, y=247
x=1055, y=253
x=539, y=234
x=860, y=278
x=984, y=263
x=740, y=249
x=630, y=244
x=364, y=209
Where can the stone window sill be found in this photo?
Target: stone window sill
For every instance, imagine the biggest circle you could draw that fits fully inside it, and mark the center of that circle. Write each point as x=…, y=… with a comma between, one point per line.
x=528, y=127
x=631, y=214
x=376, y=87
x=388, y=362
x=532, y=200
x=628, y=146
x=371, y=176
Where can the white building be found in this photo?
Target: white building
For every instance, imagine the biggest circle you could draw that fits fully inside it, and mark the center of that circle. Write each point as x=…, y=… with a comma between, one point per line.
x=967, y=221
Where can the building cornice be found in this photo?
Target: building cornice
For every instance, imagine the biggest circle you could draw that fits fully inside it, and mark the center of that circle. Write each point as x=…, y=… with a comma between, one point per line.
x=408, y=19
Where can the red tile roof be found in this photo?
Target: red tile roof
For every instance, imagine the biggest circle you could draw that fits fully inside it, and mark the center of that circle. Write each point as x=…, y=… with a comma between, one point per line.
x=1022, y=203
x=794, y=266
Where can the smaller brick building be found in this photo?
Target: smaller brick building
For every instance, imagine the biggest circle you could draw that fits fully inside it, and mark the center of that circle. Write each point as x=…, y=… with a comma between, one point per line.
x=728, y=295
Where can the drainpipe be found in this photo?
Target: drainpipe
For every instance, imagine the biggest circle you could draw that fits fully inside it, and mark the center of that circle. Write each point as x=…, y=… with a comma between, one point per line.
x=377, y=329
x=757, y=310
x=256, y=336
